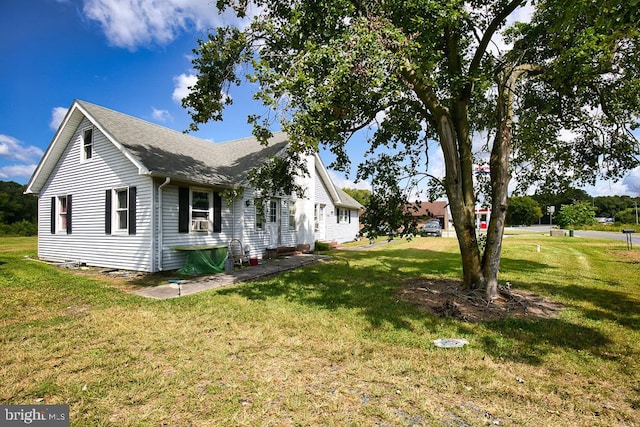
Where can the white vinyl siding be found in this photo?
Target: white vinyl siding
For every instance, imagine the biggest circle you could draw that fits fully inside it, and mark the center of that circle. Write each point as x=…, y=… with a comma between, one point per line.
x=88, y=181
x=340, y=224
x=171, y=236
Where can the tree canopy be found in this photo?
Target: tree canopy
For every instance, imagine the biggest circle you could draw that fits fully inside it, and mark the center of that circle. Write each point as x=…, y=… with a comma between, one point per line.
x=18, y=211
x=360, y=195
x=523, y=211
x=555, y=104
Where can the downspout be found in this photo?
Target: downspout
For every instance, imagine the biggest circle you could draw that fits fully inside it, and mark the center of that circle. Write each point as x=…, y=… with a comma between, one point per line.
x=167, y=180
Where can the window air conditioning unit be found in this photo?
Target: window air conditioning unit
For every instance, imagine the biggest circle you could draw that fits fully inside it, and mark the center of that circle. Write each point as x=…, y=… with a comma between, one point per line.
x=200, y=225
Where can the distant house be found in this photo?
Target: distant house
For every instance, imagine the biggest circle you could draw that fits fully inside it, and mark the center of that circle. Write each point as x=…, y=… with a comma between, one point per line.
x=119, y=192
x=431, y=210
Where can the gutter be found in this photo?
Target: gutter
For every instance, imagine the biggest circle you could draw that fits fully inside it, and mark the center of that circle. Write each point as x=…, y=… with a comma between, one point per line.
x=167, y=180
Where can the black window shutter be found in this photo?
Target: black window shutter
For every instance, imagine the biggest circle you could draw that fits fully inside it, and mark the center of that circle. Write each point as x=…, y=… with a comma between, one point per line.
x=69, y=213
x=132, y=210
x=53, y=215
x=349, y=216
x=183, y=210
x=107, y=212
x=217, y=213
x=338, y=215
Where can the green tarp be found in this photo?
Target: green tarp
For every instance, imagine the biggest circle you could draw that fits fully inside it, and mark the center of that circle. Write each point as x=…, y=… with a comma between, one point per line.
x=206, y=260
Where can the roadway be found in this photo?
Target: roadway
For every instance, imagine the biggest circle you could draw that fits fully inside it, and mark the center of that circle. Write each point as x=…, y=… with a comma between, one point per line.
x=635, y=238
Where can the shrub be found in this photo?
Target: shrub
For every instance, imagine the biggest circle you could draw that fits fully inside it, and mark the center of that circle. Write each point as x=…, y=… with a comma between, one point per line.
x=322, y=246
x=20, y=228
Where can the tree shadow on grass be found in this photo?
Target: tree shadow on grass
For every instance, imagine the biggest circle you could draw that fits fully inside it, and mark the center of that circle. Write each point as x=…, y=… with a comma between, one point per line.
x=609, y=304
x=369, y=282
x=527, y=341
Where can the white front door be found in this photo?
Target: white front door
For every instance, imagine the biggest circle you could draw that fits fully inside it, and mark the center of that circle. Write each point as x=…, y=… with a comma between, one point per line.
x=273, y=223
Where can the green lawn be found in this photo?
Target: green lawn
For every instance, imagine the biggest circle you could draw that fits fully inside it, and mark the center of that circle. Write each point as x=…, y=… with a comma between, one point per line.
x=329, y=344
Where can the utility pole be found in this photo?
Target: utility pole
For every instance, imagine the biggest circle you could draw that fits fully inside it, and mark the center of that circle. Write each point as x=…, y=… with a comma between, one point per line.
x=636, y=211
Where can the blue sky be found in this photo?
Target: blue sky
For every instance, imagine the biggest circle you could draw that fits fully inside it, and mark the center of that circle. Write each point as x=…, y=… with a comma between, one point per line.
x=132, y=56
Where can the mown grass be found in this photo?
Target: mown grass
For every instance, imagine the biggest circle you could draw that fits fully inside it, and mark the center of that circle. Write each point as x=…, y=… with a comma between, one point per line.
x=329, y=344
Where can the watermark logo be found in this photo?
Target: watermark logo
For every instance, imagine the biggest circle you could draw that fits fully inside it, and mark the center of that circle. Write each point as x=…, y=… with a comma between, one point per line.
x=34, y=415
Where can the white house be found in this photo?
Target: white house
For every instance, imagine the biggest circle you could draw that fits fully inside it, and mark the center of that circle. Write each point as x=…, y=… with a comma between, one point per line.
x=116, y=191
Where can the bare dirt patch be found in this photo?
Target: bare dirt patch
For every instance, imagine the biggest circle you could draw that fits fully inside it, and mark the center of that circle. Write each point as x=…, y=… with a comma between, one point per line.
x=448, y=298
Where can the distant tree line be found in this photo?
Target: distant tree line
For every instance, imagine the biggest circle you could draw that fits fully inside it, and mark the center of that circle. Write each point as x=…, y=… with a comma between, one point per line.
x=18, y=211
x=571, y=207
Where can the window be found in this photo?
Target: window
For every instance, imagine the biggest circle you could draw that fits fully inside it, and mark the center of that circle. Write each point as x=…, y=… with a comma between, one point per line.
x=292, y=214
x=120, y=210
x=318, y=216
x=273, y=211
x=343, y=215
x=87, y=144
x=61, y=214
x=260, y=218
x=200, y=210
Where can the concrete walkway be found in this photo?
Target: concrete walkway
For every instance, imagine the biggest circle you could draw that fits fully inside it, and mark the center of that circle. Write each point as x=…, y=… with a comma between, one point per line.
x=194, y=285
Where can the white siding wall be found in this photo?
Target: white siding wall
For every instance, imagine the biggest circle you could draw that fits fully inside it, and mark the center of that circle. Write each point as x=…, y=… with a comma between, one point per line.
x=172, y=259
x=258, y=240
x=87, y=182
x=331, y=230
x=305, y=206
x=321, y=197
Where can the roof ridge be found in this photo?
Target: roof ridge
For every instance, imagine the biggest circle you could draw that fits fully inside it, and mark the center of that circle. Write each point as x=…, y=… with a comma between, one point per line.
x=83, y=103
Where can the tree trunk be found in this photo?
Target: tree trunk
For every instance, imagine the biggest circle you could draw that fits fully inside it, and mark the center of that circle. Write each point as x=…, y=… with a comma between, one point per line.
x=500, y=176
x=461, y=203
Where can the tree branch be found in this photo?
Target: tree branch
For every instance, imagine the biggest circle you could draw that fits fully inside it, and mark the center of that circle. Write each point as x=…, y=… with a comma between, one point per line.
x=489, y=33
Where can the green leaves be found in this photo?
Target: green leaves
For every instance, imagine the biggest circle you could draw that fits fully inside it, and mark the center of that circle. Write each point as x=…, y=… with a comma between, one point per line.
x=215, y=63
x=576, y=214
x=559, y=102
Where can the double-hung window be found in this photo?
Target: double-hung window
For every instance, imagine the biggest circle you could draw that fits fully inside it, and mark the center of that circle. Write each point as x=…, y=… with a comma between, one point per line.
x=121, y=209
x=343, y=216
x=200, y=210
x=61, y=214
x=87, y=144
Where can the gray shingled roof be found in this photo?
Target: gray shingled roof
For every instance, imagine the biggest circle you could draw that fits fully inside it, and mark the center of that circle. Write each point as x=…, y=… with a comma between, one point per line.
x=165, y=152
x=347, y=201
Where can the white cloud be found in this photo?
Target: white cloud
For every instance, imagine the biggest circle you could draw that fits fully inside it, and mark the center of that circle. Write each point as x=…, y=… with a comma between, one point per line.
x=181, y=88
x=521, y=14
x=341, y=182
x=134, y=23
x=15, y=150
x=632, y=181
x=17, y=171
x=607, y=188
x=160, y=115
x=57, y=116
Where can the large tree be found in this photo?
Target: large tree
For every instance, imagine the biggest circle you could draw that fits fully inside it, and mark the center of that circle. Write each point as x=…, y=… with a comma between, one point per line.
x=554, y=105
